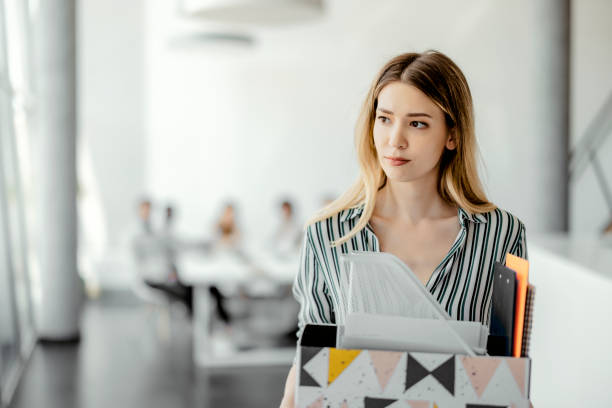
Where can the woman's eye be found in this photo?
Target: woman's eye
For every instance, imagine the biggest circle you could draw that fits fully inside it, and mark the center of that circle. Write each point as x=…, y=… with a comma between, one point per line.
x=383, y=119
x=417, y=124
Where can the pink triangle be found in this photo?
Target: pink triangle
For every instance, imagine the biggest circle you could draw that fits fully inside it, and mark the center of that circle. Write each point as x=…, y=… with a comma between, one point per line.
x=344, y=404
x=419, y=404
x=318, y=403
x=480, y=370
x=385, y=363
x=517, y=367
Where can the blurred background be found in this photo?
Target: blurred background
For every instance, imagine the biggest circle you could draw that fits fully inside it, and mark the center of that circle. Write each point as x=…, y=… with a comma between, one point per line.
x=158, y=160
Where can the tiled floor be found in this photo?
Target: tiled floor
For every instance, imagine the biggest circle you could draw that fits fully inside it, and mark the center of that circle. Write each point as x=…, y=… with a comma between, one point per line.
x=122, y=361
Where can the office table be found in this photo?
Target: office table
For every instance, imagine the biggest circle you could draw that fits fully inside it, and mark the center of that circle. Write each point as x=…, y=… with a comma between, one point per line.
x=226, y=269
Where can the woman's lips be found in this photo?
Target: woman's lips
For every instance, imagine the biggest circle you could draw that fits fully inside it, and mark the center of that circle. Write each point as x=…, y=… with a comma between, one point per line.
x=397, y=161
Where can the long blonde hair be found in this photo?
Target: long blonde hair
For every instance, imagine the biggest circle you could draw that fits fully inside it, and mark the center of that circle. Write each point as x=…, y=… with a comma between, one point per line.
x=438, y=77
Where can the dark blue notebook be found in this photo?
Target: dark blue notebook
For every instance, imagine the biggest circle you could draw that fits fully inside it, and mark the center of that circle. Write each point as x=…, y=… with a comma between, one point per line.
x=501, y=330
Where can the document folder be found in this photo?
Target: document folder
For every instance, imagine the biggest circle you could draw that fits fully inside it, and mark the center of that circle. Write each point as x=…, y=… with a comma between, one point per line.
x=502, y=311
x=384, y=306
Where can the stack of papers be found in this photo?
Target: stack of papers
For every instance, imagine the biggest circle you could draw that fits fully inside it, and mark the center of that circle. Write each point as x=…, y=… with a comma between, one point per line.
x=384, y=306
x=382, y=332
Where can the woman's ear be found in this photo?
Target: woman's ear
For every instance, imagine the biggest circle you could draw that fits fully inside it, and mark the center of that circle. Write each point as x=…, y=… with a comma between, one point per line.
x=450, y=142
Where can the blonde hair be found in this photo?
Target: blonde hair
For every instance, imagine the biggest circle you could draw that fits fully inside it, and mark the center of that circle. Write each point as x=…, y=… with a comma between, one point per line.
x=438, y=77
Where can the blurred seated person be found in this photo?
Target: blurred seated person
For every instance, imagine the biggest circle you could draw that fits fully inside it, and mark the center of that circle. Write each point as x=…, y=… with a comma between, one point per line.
x=608, y=229
x=288, y=235
x=227, y=239
x=606, y=234
x=226, y=229
x=156, y=257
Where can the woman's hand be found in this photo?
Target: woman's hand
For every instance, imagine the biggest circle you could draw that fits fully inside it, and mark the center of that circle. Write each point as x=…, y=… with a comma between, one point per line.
x=289, y=397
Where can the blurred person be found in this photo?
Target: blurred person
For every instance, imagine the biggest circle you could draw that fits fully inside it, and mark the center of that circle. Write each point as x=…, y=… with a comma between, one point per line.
x=227, y=239
x=606, y=234
x=141, y=237
x=286, y=239
x=226, y=229
x=418, y=196
x=156, y=257
x=171, y=241
x=144, y=215
x=608, y=229
x=169, y=219
x=285, y=243
x=172, y=245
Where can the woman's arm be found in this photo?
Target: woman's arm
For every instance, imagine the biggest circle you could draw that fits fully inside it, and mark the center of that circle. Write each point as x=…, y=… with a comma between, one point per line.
x=519, y=248
x=309, y=289
x=289, y=396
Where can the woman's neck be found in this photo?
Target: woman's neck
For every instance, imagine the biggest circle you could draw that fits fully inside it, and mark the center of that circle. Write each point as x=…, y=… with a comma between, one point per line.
x=411, y=202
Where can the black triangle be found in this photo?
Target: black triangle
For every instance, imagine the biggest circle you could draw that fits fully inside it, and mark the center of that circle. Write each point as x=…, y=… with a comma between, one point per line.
x=415, y=372
x=307, y=380
x=308, y=353
x=445, y=374
x=377, y=402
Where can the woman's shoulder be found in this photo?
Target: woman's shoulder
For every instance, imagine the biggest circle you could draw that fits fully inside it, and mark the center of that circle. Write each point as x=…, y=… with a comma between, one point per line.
x=333, y=227
x=498, y=218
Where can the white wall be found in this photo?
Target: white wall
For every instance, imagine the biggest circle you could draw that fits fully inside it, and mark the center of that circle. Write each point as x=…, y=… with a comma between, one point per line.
x=591, y=86
x=111, y=70
x=279, y=118
x=195, y=126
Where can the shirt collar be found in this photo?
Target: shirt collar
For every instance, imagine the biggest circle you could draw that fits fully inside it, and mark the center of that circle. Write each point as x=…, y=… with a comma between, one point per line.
x=353, y=212
x=475, y=218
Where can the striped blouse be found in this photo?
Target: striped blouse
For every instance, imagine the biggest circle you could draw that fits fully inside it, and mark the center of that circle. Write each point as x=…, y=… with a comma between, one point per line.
x=462, y=282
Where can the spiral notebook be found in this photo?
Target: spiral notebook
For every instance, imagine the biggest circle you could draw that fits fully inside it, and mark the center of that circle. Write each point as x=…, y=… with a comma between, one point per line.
x=528, y=320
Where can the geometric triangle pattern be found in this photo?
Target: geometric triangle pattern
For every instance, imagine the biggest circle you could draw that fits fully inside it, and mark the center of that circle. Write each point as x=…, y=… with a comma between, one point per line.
x=480, y=371
x=415, y=372
x=517, y=368
x=383, y=379
x=308, y=353
x=384, y=363
x=430, y=360
x=307, y=380
x=445, y=373
x=339, y=360
x=317, y=367
x=377, y=402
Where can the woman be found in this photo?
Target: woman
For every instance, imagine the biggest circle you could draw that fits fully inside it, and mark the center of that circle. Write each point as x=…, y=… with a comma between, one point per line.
x=418, y=197
x=227, y=228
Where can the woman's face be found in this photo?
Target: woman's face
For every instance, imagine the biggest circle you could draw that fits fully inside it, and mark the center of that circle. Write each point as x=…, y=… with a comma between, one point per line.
x=410, y=133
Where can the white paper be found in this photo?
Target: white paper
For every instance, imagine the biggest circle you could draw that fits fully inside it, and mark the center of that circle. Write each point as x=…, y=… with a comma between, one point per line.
x=383, y=305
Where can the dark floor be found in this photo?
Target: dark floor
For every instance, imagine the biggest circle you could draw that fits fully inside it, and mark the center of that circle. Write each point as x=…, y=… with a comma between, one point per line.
x=122, y=361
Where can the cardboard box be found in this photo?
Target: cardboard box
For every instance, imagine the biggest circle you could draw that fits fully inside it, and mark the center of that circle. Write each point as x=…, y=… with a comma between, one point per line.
x=337, y=378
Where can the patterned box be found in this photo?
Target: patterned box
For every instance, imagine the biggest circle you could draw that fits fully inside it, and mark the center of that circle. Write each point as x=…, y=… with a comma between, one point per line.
x=336, y=378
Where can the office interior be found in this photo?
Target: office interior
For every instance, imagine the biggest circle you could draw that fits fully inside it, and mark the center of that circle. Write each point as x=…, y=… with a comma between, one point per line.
x=159, y=158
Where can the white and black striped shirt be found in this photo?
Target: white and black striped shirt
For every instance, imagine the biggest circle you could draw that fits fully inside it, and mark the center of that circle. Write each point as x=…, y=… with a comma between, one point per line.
x=462, y=282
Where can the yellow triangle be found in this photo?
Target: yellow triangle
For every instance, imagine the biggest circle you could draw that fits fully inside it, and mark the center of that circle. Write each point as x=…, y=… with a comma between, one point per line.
x=435, y=405
x=338, y=361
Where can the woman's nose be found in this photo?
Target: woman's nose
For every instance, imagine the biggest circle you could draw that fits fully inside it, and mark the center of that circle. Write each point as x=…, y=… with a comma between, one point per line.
x=397, y=138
